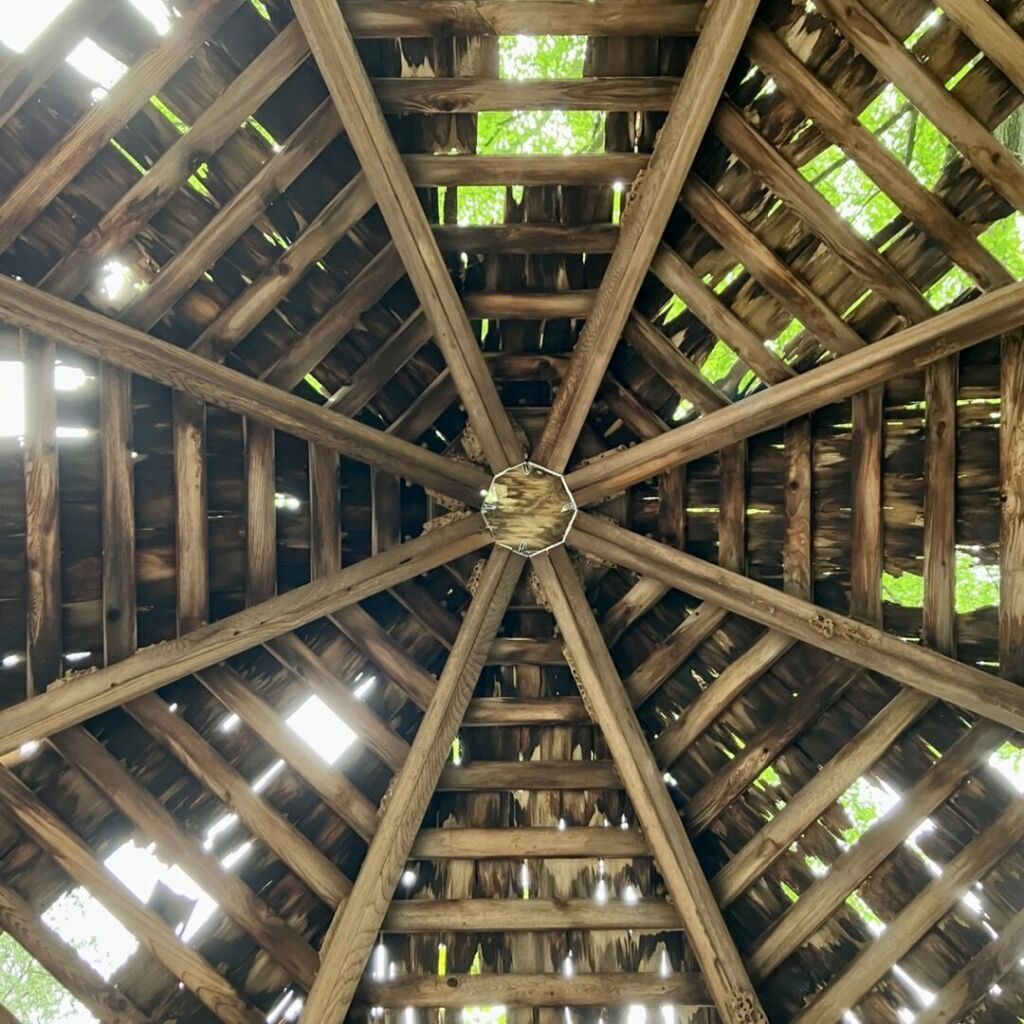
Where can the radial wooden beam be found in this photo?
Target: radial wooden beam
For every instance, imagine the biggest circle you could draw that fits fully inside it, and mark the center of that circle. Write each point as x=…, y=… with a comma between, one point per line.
x=931, y=673
x=353, y=934
x=906, y=351
x=342, y=68
x=643, y=223
x=31, y=309
x=602, y=690
x=75, y=700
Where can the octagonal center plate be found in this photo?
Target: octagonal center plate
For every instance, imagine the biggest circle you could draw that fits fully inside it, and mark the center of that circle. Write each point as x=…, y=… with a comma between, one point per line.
x=528, y=509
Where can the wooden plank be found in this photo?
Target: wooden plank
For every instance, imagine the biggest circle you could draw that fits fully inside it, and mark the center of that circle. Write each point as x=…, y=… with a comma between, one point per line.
x=281, y=943
x=817, y=904
x=797, y=537
x=866, y=522
x=30, y=309
x=353, y=934
x=20, y=920
x=260, y=513
x=211, y=129
x=533, y=990
x=43, y=649
x=503, y=843
x=906, y=351
x=486, y=711
x=338, y=793
x=975, y=980
x=834, y=118
x=236, y=793
x=22, y=74
x=406, y=917
x=644, y=218
x=525, y=239
x=117, y=502
x=706, y=931
x=342, y=68
x=992, y=160
x=45, y=829
x=999, y=42
x=939, y=613
x=147, y=76
x=324, y=512
x=190, y=518
x=91, y=694
x=1011, y=533
x=732, y=507
x=528, y=776
x=429, y=171
x=932, y=673
x=918, y=917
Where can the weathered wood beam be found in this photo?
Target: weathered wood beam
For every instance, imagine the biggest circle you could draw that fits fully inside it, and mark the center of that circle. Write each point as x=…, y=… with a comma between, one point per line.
x=147, y=76
x=529, y=776
x=931, y=673
x=526, y=239
x=333, y=787
x=990, y=158
x=236, y=793
x=30, y=309
x=866, y=527
x=472, y=169
x=532, y=990
x=191, y=534
x=406, y=917
x=353, y=934
x=1011, y=531
x=706, y=931
x=833, y=117
x=324, y=512
x=643, y=222
x=503, y=843
x=975, y=980
x=77, y=699
x=211, y=129
x=571, y=304
x=342, y=67
x=817, y=904
x=22, y=74
x=72, y=854
x=907, y=351
x=923, y=912
x=260, y=513
x=486, y=711
x=20, y=920
x=43, y=650
x=997, y=40
x=278, y=940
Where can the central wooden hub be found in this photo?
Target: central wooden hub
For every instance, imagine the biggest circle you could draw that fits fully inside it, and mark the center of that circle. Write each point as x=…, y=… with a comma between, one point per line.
x=528, y=509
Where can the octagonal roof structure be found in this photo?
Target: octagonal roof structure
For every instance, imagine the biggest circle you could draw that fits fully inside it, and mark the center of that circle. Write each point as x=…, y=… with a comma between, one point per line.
x=528, y=509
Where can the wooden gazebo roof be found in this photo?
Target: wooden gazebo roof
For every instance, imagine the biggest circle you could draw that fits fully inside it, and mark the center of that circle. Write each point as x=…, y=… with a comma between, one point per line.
x=613, y=774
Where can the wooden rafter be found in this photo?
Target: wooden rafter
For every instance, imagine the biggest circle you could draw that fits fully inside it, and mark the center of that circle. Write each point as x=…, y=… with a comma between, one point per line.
x=706, y=932
x=929, y=672
x=643, y=223
x=350, y=941
x=75, y=700
x=341, y=65
x=904, y=352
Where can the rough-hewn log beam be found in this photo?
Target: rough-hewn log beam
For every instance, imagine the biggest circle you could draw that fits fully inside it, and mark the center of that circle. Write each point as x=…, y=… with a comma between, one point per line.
x=906, y=351
x=26, y=307
x=643, y=223
x=706, y=932
x=342, y=68
x=75, y=700
x=503, y=843
x=352, y=936
x=938, y=676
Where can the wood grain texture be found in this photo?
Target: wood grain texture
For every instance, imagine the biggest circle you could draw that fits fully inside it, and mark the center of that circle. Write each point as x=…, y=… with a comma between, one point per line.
x=191, y=532
x=1011, y=533
x=260, y=513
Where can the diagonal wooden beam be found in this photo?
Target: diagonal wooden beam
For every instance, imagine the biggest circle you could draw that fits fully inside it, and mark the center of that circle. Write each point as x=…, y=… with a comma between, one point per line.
x=96, y=335
x=907, y=351
x=931, y=673
x=353, y=933
x=77, y=699
x=605, y=697
x=643, y=223
x=342, y=68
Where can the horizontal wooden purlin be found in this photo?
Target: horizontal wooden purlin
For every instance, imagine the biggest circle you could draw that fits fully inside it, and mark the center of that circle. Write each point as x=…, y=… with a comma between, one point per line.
x=76, y=699
x=588, y=169
x=533, y=915
x=513, y=650
x=526, y=990
x=503, y=843
x=510, y=711
x=473, y=95
x=528, y=775
x=529, y=305
x=387, y=19
x=97, y=336
x=905, y=352
x=529, y=239
x=942, y=678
